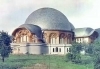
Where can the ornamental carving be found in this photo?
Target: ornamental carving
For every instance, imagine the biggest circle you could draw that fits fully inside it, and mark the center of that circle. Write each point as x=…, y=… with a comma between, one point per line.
x=53, y=35
x=19, y=34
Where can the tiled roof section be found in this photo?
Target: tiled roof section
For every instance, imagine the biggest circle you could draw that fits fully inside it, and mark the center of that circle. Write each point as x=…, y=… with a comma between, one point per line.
x=49, y=19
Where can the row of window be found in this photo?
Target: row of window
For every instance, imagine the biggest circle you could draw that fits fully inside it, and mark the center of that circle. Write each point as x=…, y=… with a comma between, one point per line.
x=56, y=49
x=61, y=41
x=59, y=49
x=81, y=40
x=25, y=38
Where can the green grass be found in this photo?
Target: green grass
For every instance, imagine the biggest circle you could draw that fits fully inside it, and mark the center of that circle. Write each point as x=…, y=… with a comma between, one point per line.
x=53, y=62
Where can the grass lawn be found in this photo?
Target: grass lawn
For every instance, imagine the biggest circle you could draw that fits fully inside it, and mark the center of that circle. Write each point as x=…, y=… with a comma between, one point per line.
x=53, y=62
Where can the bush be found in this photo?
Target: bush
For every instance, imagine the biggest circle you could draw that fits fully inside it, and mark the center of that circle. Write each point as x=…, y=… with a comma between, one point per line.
x=97, y=66
x=69, y=57
x=75, y=58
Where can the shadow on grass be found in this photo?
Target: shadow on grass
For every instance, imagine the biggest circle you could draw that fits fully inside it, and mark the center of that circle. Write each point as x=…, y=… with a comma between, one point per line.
x=24, y=60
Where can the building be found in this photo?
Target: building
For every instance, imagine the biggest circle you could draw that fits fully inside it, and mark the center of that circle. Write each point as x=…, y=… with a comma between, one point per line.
x=48, y=31
x=85, y=35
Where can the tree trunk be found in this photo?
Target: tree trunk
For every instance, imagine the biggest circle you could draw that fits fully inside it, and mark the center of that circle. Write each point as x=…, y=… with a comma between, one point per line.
x=2, y=59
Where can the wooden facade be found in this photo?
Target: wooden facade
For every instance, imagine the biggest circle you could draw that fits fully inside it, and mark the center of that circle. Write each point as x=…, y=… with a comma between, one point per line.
x=58, y=37
x=50, y=37
x=23, y=35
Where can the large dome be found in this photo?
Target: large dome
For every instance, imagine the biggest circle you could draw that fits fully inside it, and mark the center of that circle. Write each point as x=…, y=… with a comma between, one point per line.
x=49, y=19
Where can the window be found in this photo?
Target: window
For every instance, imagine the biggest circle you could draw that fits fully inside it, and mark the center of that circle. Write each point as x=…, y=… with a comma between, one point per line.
x=21, y=39
x=53, y=49
x=67, y=50
x=56, y=49
x=77, y=39
x=24, y=38
x=59, y=49
x=27, y=38
x=61, y=40
x=80, y=39
x=53, y=38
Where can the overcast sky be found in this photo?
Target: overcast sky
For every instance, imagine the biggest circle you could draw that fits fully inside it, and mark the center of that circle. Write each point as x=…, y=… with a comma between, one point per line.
x=81, y=13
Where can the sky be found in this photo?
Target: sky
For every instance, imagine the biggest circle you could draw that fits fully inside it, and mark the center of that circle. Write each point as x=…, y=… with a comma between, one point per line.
x=81, y=13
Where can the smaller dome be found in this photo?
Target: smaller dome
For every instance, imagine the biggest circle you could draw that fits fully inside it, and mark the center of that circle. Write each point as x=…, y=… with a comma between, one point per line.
x=33, y=29
x=83, y=32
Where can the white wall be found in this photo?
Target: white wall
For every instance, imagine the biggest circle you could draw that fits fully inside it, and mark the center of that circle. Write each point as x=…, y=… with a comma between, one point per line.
x=81, y=40
x=42, y=48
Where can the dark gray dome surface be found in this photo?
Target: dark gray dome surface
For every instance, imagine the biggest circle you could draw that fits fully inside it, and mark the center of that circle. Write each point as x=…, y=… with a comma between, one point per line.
x=49, y=19
x=82, y=32
x=72, y=27
x=33, y=29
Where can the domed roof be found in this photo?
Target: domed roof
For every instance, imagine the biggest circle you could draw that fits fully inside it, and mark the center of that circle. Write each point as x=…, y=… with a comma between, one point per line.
x=83, y=32
x=49, y=19
x=72, y=27
x=32, y=28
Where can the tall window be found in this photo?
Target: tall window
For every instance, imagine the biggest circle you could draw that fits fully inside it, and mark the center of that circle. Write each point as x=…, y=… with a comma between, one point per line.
x=21, y=38
x=67, y=50
x=53, y=38
x=59, y=49
x=27, y=38
x=62, y=41
x=56, y=49
x=24, y=38
x=69, y=39
x=53, y=50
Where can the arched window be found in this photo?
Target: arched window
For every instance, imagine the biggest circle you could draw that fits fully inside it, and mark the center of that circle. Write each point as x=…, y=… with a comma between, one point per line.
x=62, y=39
x=69, y=38
x=53, y=38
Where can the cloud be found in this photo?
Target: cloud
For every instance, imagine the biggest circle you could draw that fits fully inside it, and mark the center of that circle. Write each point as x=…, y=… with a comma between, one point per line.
x=15, y=12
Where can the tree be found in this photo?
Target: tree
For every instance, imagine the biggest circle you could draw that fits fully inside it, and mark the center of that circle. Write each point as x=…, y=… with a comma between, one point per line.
x=96, y=54
x=74, y=56
x=5, y=41
x=94, y=51
x=89, y=49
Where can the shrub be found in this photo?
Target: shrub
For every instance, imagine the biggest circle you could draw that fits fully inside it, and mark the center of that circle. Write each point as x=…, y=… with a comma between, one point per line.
x=75, y=58
x=69, y=57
